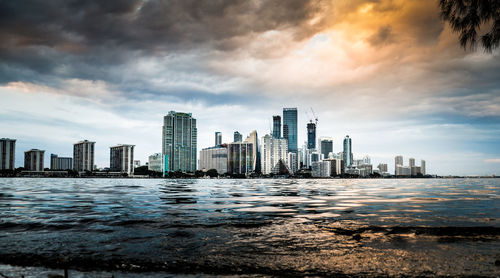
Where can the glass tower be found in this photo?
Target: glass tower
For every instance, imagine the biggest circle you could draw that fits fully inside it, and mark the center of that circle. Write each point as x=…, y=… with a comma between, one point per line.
x=290, y=128
x=276, y=126
x=179, y=144
x=347, y=152
x=311, y=136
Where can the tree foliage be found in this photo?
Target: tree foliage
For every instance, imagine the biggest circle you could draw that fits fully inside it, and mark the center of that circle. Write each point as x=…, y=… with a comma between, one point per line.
x=466, y=17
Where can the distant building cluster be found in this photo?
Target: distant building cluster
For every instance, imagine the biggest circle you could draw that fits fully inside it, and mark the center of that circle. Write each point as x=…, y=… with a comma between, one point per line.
x=276, y=153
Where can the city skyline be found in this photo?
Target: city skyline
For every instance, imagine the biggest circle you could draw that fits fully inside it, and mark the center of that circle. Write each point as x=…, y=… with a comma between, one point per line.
x=390, y=74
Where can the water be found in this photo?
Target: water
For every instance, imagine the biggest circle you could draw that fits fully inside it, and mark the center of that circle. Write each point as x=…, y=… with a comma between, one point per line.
x=261, y=227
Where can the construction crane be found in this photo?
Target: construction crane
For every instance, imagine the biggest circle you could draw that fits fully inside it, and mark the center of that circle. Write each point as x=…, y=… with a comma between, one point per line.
x=315, y=117
x=309, y=117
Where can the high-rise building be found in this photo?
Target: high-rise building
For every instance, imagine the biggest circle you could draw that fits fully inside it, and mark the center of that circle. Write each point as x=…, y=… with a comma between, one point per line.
x=83, y=156
x=292, y=162
x=347, y=152
x=290, y=128
x=179, y=142
x=33, y=160
x=155, y=162
x=311, y=136
x=214, y=158
x=326, y=146
x=422, y=167
x=7, y=154
x=121, y=158
x=398, y=160
x=254, y=140
x=402, y=170
x=382, y=167
x=238, y=137
x=415, y=170
x=60, y=163
x=218, y=138
x=274, y=151
x=240, y=158
x=276, y=126
x=411, y=161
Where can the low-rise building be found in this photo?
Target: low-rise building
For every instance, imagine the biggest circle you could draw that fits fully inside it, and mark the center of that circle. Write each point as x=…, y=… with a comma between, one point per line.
x=214, y=158
x=155, y=162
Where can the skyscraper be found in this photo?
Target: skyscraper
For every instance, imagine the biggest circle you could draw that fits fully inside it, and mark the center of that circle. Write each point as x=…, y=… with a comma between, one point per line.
x=311, y=136
x=398, y=160
x=240, y=158
x=411, y=161
x=347, y=152
x=33, y=160
x=218, y=138
x=290, y=128
x=276, y=126
x=238, y=137
x=254, y=140
x=326, y=145
x=7, y=154
x=274, y=151
x=179, y=142
x=422, y=167
x=83, y=156
x=121, y=158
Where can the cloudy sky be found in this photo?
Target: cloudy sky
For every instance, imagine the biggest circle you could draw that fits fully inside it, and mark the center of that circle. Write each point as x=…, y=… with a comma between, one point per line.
x=389, y=73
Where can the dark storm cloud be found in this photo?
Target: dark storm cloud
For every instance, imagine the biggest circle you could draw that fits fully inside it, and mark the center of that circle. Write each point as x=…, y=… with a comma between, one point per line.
x=80, y=39
x=383, y=36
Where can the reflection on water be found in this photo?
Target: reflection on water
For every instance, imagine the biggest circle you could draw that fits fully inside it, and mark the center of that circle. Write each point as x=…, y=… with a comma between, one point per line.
x=287, y=227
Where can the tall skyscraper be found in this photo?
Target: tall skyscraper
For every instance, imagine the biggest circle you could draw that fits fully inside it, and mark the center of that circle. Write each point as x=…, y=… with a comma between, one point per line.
x=347, y=152
x=311, y=136
x=60, y=163
x=179, y=142
x=274, y=151
x=240, y=158
x=398, y=160
x=238, y=137
x=276, y=126
x=218, y=138
x=422, y=167
x=254, y=140
x=326, y=146
x=411, y=161
x=121, y=158
x=290, y=128
x=33, y=160
x=7, y=154
x=83, y=156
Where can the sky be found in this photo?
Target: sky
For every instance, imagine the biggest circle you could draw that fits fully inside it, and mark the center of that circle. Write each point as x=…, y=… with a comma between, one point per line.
x=390, y=74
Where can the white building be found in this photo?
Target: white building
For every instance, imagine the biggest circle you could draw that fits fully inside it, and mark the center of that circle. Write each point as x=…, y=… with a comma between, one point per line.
x=272, y=152
x=155, y=162
x=214, y=158
x=254, y=140
x=292, y=162
x=422, y=167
